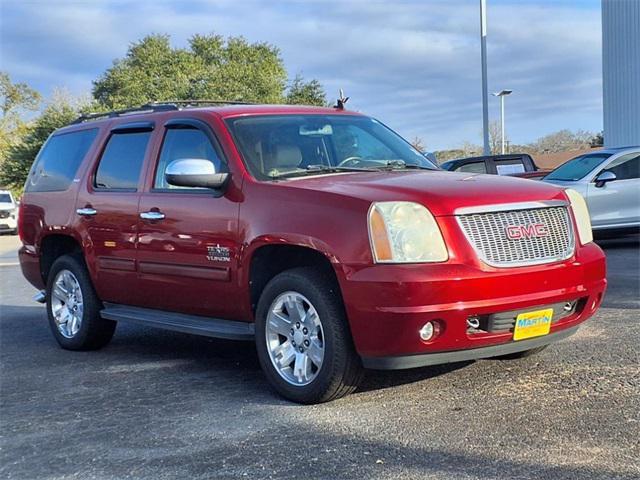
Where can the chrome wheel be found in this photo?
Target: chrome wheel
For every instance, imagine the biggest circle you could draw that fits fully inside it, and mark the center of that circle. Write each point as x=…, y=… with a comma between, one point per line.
x=66, y=303
x=295, y=340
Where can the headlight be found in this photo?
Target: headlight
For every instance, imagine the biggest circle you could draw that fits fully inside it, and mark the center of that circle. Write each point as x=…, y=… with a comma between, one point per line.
x=581, y=214
x=405, y=232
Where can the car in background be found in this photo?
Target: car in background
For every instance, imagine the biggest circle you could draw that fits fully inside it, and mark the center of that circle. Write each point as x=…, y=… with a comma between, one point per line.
x=517, y=164
x=8, y=213
x=609, y=181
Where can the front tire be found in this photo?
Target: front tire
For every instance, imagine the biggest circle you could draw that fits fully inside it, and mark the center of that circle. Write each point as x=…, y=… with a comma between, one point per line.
x=303, y=340
x=73, y=307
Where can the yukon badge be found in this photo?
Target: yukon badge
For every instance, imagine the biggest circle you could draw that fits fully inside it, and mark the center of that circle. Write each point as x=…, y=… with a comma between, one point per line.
x=218, y=254
x=532, y=230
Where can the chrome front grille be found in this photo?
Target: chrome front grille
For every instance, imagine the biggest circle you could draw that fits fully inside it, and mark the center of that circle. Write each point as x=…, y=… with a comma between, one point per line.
x=492, y=236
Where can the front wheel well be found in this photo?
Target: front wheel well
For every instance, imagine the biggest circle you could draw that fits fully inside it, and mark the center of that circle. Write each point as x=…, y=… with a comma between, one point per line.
x=52, y=248
x=270, y=260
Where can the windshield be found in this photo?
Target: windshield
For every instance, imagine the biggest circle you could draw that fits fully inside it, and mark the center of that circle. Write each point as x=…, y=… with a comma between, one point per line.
x=578, y=167
x=5, y=198
x=275, y=146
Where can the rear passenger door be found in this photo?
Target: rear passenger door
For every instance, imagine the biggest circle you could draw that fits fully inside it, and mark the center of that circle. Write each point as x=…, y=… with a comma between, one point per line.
x=107, y=212
x=188, y=237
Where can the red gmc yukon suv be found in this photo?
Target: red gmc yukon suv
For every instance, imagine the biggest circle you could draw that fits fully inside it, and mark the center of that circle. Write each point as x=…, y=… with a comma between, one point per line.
x=316, y=232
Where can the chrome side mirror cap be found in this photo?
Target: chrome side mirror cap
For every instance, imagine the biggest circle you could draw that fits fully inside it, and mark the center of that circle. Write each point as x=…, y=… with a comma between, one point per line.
x=604, y=177
x=194, y=172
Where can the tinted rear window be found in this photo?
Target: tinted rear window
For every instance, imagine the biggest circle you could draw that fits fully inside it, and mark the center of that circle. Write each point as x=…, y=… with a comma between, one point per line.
x=58, y=161
x=122, y=161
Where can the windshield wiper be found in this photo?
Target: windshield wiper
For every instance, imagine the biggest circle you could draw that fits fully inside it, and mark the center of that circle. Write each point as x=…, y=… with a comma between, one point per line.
x=314, y=169
x=398, y=164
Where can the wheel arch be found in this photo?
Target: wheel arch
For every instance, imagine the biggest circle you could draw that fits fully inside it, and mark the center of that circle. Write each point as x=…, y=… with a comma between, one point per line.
x=267, y=259
x=52, y=247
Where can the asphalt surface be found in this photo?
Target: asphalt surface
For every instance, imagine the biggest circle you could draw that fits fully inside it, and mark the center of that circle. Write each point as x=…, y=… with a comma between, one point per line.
x=163, y=405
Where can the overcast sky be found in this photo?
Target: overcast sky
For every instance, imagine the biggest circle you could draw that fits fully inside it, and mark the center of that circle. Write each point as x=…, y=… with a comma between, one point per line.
x=415, y=65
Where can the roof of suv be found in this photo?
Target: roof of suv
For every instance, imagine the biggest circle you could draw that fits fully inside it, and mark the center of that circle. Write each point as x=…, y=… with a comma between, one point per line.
x=222, y=110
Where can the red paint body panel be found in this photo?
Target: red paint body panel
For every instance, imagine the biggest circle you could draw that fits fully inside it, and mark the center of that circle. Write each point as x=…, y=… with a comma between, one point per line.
x=164, y=264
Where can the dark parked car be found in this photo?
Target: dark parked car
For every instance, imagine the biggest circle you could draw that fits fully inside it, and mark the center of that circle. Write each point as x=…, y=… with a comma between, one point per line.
x=516, y=164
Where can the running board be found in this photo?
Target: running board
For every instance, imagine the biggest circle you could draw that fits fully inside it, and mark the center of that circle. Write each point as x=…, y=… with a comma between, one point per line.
x=179, y=322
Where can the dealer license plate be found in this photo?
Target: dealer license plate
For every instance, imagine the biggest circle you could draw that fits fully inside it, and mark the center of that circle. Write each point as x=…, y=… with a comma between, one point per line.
x=533, y=324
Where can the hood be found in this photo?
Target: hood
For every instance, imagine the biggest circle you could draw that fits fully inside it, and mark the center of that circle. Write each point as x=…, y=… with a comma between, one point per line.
x=440, y=191
x=7, y=206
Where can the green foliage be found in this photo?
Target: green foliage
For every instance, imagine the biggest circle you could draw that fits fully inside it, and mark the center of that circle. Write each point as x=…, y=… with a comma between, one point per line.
x=16, y=96
x=20, y=156
x=306, y=93
x=14, y=99
x=210, y=68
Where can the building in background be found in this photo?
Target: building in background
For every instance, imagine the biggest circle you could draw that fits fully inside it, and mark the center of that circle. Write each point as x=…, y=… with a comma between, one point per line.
x=621, y=72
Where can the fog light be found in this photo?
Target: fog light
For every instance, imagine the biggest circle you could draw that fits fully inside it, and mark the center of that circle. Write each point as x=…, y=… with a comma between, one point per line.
x=427, y=331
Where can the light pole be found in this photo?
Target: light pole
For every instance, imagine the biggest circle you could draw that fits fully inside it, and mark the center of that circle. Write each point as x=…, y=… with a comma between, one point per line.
x=502, y=94
x=483, y=60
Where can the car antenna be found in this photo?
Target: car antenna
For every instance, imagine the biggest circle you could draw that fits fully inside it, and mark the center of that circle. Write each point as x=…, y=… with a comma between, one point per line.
x=341, y=101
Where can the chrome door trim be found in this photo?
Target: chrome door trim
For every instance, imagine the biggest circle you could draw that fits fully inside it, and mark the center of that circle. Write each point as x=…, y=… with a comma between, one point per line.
x=86, y=211
x=152, y=215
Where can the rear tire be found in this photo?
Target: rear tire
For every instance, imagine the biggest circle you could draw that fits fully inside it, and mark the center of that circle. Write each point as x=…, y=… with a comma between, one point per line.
x=524, y=354
x=308, y=309
x=73, y=307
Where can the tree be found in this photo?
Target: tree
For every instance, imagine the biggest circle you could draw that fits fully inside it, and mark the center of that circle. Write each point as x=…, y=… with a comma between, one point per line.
x=212, y=67
x=60, y=111
x=16, y=96
x=306, y=93
x=563, y=140
x=418, y=144
x=495, y=137
x=597, y=140
x=14, y=99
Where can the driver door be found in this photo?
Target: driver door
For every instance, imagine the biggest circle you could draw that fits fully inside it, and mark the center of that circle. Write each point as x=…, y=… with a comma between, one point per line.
x=617, y=203
x=188, y=237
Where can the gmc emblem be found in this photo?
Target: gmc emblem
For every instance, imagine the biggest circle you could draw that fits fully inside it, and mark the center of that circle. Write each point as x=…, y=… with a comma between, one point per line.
x=533, y=230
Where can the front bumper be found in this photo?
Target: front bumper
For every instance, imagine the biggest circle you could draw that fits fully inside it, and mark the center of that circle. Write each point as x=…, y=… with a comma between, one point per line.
x=388, y=304
x=414, y=361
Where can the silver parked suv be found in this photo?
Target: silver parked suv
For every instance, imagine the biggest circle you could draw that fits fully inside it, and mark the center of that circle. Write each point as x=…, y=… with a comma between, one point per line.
x=609, y=181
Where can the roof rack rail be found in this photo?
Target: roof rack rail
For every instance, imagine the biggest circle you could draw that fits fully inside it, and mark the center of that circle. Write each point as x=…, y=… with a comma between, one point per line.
x=195, y=102
x=149, y=107
x=160, y=106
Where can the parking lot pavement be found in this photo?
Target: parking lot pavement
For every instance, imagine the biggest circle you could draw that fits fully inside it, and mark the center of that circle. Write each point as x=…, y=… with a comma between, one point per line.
x=163, y=405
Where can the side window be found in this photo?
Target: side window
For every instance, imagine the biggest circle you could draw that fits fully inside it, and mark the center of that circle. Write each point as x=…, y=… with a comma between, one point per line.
x=509, y=167
x=58, y=161
x=626, y=167
x=180, y=143
x=474, y=167
x=121, y=161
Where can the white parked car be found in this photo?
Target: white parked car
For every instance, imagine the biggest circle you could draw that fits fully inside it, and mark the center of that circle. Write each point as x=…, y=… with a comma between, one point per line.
x=609, y=181
x=8, y=213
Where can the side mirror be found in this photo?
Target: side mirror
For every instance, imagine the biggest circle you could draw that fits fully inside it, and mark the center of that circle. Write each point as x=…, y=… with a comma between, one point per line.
x=194, y=172
x=604, y=177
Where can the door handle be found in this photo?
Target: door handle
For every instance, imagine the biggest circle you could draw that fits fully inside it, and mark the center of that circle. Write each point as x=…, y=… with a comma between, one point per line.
x=152, y=215
x=86, y=211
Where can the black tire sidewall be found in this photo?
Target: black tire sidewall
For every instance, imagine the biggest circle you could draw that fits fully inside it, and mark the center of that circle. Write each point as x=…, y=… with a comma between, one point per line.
x=91, y=320
x=337, y=342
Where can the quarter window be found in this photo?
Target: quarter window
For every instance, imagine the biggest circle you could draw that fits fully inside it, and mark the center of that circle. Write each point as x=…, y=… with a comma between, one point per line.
x=181, y=143
x=58, y=161
x=121, y=161
x=474, y=167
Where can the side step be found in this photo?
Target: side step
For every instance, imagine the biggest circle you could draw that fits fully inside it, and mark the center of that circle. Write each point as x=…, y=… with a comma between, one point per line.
x=180, y=322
